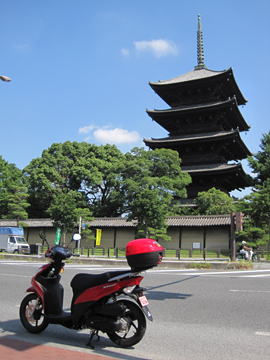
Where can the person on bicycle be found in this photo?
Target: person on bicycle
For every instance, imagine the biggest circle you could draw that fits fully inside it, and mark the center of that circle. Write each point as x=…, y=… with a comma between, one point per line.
x=244, y=250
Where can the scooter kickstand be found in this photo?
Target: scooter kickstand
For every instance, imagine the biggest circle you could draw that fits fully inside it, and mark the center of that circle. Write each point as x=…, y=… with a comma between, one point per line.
x=92, y=334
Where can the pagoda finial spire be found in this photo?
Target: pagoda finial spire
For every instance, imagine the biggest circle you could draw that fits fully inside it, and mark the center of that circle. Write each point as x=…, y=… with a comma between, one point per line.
x=200, y=53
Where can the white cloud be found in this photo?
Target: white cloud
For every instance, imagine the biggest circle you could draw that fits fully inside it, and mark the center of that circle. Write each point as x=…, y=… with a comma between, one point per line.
x=125, y=52
x=116, y=136
x=159, y=47
x=86, y=129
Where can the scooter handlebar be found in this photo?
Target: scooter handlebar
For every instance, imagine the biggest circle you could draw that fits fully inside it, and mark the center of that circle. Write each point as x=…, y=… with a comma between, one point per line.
x=71, y=254
x=60, y=252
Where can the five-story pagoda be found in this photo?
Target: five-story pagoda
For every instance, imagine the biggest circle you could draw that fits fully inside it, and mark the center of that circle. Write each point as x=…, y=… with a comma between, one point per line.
x=204, y=125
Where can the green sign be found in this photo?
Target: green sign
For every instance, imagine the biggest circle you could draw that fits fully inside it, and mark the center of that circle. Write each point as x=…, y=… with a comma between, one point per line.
x=57, y=236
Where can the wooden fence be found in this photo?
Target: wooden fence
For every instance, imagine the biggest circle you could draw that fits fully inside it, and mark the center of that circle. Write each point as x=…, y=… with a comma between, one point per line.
x=167, y=253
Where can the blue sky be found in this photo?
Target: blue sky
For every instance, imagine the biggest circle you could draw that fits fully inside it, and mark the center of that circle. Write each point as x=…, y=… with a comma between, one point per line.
x=80, y=68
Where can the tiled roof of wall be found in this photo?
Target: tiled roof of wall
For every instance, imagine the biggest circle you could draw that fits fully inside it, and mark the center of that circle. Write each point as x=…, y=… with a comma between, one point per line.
x=212, y=220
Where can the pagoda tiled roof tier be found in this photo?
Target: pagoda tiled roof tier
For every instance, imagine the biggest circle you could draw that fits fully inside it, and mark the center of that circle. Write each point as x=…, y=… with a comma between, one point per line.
x=217, y=116
x=207, y=148
x=226, y=177
x=199, y=85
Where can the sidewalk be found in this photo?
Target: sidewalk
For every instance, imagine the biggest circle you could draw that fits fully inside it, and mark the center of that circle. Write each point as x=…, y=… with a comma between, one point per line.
x=14, y=349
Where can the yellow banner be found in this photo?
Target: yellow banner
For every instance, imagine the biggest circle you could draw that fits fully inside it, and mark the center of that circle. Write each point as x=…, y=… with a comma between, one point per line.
x=98, y=237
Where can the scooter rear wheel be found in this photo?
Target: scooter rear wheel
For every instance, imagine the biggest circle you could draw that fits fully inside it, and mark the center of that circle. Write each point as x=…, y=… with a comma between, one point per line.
x=32, y=315
x=136, y=326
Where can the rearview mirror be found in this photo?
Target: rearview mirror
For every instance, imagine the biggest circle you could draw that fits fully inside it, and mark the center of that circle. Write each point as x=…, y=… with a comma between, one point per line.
x=76, y=237
x=42, y=235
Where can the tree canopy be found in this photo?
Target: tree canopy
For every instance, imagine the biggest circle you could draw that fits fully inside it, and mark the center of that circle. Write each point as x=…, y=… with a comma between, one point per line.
x=88, y=172
x=13, y=193
x=260, y=162
x=150, y=181
x=214, y=202
x=256, y=206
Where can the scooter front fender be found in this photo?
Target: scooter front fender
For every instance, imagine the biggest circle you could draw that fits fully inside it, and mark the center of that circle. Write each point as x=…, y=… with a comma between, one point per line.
x=32, y=290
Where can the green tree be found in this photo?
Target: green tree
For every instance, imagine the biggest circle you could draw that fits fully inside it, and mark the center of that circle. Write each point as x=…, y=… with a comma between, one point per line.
x=3, y=186
x=62, y=210
x=13, y=193
x=105, y=192
x=181, y=210
x=151, y=180
x=159, y=234
x=256, y=208
x=260, y=162
x=214, y=202
x=92, y=171
x=17, y=204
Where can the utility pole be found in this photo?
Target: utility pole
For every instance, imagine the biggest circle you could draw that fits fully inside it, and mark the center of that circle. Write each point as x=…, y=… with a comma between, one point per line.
x=239, y=221
x=80, y=224
x=232, y=245
x=239, y=227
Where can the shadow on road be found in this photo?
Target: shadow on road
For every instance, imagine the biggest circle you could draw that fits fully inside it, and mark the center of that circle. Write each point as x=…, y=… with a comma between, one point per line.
x=163, y=295
x=14, y=336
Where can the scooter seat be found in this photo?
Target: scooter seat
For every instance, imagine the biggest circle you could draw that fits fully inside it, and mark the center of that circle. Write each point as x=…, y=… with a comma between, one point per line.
x=81, y=282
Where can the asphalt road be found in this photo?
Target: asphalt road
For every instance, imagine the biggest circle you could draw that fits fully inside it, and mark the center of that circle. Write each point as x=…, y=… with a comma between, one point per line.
x=197, y=314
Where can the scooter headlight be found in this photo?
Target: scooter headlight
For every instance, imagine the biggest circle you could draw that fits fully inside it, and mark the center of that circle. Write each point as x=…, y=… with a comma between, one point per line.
x=128, y=290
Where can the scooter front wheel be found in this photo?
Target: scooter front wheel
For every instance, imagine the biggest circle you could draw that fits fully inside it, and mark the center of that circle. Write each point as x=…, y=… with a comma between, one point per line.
x=32, y=314
x=135, y=326
x=256, y=258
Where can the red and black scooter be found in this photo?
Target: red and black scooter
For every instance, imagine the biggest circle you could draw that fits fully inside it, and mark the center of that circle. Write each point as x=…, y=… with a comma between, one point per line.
x=95, y=303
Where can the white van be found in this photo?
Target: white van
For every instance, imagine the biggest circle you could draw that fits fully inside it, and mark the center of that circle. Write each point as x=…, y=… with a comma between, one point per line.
x=12, y=241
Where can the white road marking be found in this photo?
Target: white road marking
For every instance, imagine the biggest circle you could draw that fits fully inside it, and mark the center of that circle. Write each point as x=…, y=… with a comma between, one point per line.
x=252, y=291
x=192, y=272
x=16, y=275
x=261, y=275
x=262, y=333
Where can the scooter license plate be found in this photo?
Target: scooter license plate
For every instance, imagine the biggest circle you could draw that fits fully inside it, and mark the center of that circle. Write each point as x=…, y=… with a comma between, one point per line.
x=143, y=300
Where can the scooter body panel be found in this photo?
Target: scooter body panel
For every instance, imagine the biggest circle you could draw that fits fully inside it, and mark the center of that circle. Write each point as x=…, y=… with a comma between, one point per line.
x=100, y=291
